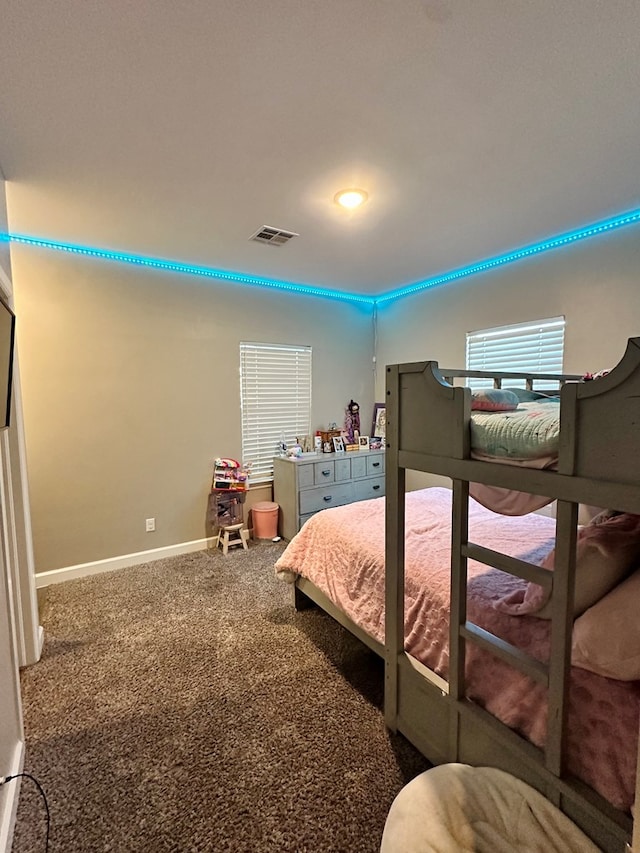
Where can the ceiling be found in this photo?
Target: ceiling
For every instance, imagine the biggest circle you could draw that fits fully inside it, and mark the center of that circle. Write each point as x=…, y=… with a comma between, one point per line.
x=177, y=129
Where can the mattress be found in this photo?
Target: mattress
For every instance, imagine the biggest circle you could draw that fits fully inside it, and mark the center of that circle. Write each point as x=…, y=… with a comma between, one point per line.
x=341, y=551
x=527, y=437
x=529, y=432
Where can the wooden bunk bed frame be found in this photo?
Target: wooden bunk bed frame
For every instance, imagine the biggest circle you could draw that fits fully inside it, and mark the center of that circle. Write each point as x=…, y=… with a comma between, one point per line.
x=428, y=430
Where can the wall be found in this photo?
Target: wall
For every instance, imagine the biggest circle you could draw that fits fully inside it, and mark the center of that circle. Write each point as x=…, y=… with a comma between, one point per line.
x=130, y=377
x=130, y=385
x=11, y=743
x=594, y=284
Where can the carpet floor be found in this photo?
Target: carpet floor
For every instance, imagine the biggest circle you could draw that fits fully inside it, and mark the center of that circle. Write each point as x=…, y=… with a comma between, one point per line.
x=182, y=705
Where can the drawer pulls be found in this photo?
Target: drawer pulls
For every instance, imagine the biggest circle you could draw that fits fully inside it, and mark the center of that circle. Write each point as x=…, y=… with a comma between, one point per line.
x=327, y=498
x=326, y=473
x=375, y=464
x=375, y=488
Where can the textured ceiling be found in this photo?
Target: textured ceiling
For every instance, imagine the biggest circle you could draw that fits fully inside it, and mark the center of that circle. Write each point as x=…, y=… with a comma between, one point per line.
x=178, y=129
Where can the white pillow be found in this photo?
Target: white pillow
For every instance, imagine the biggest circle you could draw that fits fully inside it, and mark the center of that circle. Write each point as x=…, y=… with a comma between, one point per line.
x=606, y=638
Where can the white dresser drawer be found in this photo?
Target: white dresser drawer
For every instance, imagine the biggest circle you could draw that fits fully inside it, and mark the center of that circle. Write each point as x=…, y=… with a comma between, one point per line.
x=305, y=475
x=375, y=465
x=373, y=488
x=342, y=469
x=358, y=466
x=335, y=495
x=323, y=472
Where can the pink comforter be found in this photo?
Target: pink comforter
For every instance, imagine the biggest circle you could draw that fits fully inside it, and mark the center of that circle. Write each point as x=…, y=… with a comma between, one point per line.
x=341, y=550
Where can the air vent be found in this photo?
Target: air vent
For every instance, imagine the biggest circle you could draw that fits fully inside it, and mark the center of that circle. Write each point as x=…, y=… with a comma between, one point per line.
x=273, y=236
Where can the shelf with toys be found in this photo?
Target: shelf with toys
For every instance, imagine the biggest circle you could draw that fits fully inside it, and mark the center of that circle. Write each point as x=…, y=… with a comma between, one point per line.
x=229, y=474
x=228, y=492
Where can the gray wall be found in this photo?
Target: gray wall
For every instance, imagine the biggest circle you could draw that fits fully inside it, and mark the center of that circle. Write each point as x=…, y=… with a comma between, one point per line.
x=130, y=383
x=130, y=377
x=594, y=284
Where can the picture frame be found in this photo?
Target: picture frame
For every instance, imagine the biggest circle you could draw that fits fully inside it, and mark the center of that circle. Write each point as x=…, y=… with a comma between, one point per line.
x=379, y=423
x=375, y=442
x=363, y=441
x=338, y=444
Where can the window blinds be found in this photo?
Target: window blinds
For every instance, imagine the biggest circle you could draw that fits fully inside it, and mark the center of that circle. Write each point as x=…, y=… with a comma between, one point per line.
x=535, y=347
x=275, y=398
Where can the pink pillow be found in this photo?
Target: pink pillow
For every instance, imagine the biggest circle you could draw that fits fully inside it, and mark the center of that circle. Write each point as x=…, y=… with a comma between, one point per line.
x=606, y=638
x=494, y=400
x=607, y=549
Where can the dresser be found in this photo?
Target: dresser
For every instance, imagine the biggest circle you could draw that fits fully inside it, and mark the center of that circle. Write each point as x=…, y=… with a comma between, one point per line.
x=303, y=486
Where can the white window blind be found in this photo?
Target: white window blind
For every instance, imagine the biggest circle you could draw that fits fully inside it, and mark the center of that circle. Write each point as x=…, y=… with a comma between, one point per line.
x=535, y=347
x=275, y=395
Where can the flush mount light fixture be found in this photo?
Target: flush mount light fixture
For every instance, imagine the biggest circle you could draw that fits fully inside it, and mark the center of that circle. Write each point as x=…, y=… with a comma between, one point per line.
x=351, y=198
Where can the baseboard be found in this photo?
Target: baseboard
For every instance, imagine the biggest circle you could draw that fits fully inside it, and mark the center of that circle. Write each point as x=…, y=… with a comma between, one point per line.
x=84, y=570
x=9, y=795
x=40, y=641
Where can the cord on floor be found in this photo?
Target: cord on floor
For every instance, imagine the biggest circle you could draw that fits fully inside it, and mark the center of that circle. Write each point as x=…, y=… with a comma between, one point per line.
x=5, y=779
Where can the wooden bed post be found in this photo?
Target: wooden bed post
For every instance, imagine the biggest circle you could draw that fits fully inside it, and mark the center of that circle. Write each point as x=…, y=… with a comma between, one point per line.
x=458, y=607
x=561, y=633
x=394, y=552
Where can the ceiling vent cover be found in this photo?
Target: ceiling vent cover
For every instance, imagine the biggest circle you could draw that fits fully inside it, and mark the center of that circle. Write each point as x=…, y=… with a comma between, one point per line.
x=273, y=236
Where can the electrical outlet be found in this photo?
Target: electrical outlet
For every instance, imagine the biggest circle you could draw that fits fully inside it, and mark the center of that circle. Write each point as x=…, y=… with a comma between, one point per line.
x=151, y=525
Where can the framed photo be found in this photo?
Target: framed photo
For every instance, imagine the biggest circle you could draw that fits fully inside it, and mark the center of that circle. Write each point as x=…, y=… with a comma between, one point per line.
x=338, y=444
x=363, y=441
x=379, y=425
x=317, y=443
x=375, y=443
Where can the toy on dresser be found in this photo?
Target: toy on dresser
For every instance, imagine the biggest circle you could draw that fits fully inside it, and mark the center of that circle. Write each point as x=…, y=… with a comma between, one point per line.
x=352, y=426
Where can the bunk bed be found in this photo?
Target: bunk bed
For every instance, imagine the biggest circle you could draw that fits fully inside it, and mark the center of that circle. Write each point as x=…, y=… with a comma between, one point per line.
x=429, y=430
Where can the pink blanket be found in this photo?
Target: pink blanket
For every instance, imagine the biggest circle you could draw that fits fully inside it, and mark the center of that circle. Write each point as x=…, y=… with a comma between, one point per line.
x=341, y=551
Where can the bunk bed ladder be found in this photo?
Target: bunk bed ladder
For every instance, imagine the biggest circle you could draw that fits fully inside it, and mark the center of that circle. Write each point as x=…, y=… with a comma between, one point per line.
x=555, y=674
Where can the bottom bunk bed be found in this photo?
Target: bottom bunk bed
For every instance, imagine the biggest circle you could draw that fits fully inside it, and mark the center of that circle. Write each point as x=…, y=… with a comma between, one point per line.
x=338, y=560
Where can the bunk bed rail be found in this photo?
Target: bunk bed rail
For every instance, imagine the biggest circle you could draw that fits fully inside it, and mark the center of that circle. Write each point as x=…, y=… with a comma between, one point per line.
x=428, y=429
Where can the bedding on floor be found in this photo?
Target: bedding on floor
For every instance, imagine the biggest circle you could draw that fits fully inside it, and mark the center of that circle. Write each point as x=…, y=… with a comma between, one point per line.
x=341, y=551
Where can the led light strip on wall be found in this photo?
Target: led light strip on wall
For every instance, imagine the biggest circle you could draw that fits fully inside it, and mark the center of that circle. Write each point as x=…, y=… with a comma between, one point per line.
x=500, y=260
x=593, y=230
x=188, y=269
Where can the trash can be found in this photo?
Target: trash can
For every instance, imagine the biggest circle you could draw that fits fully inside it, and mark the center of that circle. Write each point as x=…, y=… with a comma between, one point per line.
x=265, y=519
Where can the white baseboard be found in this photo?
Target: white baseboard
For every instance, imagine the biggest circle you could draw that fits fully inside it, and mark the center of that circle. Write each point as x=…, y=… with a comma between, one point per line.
x=84, y=570
x=9, y=795
x=40, y=641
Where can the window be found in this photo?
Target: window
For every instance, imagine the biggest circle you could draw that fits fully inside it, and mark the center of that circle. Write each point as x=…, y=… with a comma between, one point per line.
x=535, y=347
x=275, y=398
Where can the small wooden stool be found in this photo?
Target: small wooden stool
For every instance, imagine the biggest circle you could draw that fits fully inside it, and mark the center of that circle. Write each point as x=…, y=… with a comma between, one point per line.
x=232, y=535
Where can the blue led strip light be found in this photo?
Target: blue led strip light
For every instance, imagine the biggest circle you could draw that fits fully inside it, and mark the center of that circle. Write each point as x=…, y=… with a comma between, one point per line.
x=605, y=225
x=584, y=233
x=188, y=269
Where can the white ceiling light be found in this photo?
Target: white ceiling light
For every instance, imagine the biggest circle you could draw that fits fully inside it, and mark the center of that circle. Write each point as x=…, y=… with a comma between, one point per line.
x=351, y=198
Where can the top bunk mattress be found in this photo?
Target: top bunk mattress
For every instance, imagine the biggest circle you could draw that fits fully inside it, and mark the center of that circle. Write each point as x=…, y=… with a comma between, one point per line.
x=530, y=432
